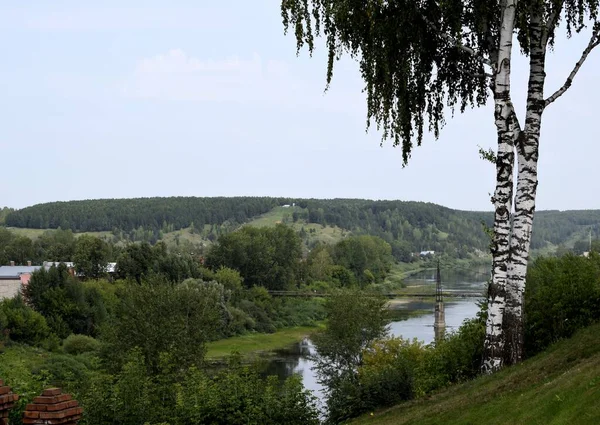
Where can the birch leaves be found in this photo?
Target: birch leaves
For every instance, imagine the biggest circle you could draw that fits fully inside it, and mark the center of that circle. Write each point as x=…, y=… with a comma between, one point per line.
x=420, y=57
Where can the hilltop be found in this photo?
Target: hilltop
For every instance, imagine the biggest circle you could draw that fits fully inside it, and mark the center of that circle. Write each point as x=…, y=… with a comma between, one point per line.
x=558, y=386
x=408, y=226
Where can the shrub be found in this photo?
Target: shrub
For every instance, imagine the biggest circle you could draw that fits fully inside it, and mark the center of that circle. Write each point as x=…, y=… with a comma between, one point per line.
x=455, y=358
x=63, y=371
x=389, y=372
x=78, y=344
x=21, y=323
x=562, y=296
x=237, y=395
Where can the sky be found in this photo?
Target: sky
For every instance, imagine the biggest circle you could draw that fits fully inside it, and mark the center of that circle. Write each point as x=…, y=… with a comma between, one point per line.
x=205, y=98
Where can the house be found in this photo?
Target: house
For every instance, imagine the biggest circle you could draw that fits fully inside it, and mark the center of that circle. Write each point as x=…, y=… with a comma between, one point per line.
x=12, y=278
x=70, y=265
x=110, y=267
x=426, y=253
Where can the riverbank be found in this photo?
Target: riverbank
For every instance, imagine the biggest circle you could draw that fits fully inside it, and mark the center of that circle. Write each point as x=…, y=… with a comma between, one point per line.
x=558, y=386
x=255, y=343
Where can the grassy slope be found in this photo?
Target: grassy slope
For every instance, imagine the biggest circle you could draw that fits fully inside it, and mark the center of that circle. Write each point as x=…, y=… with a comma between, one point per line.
x=185, y=235
x=257, y=342
x=36, y=233
x=326, y=234
x=559, y=386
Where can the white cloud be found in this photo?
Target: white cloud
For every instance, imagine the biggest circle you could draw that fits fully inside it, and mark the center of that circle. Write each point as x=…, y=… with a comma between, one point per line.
x=176, y=75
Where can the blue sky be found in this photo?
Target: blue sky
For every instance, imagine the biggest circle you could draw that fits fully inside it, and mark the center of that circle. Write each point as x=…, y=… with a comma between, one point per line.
x=199, y=98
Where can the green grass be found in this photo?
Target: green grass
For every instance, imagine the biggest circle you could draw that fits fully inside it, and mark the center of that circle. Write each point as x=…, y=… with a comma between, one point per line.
x=186, y=235
x=258, y=342
x=315, y=232
x=36, y=233
x=559, y=386
x=401, y=271
x=271, y=218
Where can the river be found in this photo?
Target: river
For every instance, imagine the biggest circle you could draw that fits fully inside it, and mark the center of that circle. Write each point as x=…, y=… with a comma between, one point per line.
x=296, y=359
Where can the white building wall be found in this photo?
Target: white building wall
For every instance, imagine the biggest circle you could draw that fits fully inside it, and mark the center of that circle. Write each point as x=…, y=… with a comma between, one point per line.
x=9, y=288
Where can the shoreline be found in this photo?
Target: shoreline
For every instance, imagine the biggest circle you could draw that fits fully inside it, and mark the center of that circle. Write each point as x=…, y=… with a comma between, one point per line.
x=256, y=343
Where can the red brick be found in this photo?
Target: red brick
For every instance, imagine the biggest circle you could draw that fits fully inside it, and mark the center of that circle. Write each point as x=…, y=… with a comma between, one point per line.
x=53, y=408
x=31, y=414
x=50, y=392
x=37, y=407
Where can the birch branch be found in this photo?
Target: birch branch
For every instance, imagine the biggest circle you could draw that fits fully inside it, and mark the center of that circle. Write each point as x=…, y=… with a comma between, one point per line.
x=459, y=44
x=552, y=21
x=594, y=41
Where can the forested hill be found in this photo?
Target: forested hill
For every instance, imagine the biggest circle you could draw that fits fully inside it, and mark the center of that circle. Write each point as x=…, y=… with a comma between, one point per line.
x=409, y=226
x=150, y=213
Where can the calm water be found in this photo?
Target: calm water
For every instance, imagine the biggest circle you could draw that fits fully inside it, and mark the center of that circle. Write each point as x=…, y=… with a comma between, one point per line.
x=296, y=358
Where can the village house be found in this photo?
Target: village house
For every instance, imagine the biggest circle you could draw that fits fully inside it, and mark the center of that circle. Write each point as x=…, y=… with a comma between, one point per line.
x=13, y=278
x=111, y=268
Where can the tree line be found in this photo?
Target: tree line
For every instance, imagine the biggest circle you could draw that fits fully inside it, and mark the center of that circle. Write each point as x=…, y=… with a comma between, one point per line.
x=408, y=227
x=132, y=349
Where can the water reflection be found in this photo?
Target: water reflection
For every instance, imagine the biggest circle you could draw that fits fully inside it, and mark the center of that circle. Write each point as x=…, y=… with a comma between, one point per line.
x=296, y=359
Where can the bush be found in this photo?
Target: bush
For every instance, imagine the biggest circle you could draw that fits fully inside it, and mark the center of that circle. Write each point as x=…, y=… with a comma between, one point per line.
x=389, y=372
x=64, y=371
x=562, y=296
x=386, y=371
x=455, y=358
x=78, y=344
x=237, y=395
x=21, y=324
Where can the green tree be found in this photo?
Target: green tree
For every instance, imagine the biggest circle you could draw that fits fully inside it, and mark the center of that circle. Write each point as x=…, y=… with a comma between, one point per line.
x=319, y=263
x=68, y=306
x=21, y=323
x=91, y=256
x=361, y=253
x=57, y=245
x=354, y=321
x=136, y=261
x=419, y=57
x=160, y=319
x=264, y=256
x=230, y=279
x=20, y=250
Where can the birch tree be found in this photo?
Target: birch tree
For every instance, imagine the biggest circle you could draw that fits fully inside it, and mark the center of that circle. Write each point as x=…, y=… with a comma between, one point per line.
x=421, y=58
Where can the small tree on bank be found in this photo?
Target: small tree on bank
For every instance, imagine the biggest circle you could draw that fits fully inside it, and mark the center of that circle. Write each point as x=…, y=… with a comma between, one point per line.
x=418, y=56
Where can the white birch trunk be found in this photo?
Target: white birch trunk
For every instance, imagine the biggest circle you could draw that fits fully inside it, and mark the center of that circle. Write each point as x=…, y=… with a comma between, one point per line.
x=505, y=121
x=527, y=180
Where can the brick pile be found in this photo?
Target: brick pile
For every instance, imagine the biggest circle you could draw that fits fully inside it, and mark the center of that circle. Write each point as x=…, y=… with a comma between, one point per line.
x=52, y=408
x=7, y=401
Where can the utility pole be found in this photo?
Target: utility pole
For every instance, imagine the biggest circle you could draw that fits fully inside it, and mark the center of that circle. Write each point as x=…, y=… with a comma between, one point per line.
x=439, y=325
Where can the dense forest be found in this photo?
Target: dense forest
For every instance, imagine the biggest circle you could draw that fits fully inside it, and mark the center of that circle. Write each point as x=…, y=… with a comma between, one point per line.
x=407, y=226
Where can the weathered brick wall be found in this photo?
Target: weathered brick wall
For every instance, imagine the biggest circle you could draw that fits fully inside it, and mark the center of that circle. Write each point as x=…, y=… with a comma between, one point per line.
x=52, y=407
x=9, y=288
x=7, y=402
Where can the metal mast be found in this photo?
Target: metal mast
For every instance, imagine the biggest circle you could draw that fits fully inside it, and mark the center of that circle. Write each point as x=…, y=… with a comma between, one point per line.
x=439, y=325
